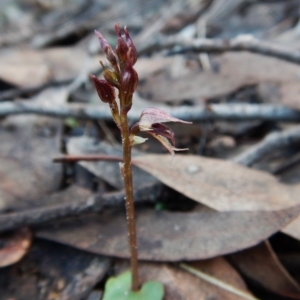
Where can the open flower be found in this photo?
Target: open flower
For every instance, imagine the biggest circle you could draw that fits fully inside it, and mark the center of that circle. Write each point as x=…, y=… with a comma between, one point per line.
x=150, y=122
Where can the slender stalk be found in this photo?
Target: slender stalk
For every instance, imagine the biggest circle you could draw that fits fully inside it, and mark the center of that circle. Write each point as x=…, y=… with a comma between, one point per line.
x=121, y=75
x=126, y=171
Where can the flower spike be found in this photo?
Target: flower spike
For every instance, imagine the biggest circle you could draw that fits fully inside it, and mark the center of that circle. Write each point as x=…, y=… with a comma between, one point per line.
x=121, y=77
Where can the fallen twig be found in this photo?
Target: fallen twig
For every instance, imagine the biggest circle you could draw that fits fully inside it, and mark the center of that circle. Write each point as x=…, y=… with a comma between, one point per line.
x=295, y=160
x=232, y=111
x=217, y=282
x=273, y=141
x=87, y=157
x=21, y=92
x=96, y=203
x=240, y=43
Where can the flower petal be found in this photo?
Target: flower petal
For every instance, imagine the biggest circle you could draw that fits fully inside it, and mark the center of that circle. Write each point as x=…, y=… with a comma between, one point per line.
x=151, y=116
x=165, y=142
x=136, y=140
x=162, y=130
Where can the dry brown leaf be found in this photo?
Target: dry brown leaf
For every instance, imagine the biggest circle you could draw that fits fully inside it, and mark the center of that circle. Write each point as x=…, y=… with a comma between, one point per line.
x=170, y=236
x=219, y=272
x=179, y=284
x=52, y=271
x=22, y=183
x=290, y=94
x=293, y=229
x=235, y=71
x=28, y=145
x=261, y=264
x=218, y=283
x=222, y=270
x=219, y=184
x=14, y=246
x=146, y=66
x=106, y=170
x=29, y=68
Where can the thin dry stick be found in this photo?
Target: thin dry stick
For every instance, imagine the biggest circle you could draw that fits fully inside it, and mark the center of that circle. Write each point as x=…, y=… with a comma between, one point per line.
x=230, y=111
x=272, y=142
x=87, y=157
x=95, y=203
x=241, y=43
x=221, y=284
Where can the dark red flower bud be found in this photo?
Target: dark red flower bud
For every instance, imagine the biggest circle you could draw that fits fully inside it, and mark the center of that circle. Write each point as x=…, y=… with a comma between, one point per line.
x=122, y=47
x=103, y=42
x=110, y=55
x=105, y=91
x=133, y=52
x=129, y=79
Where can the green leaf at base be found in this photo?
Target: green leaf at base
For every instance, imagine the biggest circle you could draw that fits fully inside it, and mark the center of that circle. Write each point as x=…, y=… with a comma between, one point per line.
x=118, y=288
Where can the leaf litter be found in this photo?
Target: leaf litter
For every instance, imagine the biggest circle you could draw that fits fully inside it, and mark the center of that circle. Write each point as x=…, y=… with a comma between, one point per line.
x=234, y=208
x=219, y=184
x=171, y=236
x=261, y=264
x=14, y=246
x=178, y=283
x=27, y=172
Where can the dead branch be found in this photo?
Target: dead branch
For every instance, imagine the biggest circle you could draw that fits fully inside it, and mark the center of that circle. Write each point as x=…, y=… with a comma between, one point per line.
x=232, y=111
x=240, y=43
x=21, y=92
x=88, y=157
x=96, y=203
x=293, y=161
x=272, y=142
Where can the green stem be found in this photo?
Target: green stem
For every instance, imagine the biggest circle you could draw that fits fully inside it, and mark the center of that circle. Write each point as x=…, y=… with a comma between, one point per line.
x=130, y=214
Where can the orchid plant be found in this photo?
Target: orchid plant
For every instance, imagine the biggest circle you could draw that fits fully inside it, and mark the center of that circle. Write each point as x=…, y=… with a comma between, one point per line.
x=119, y=75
